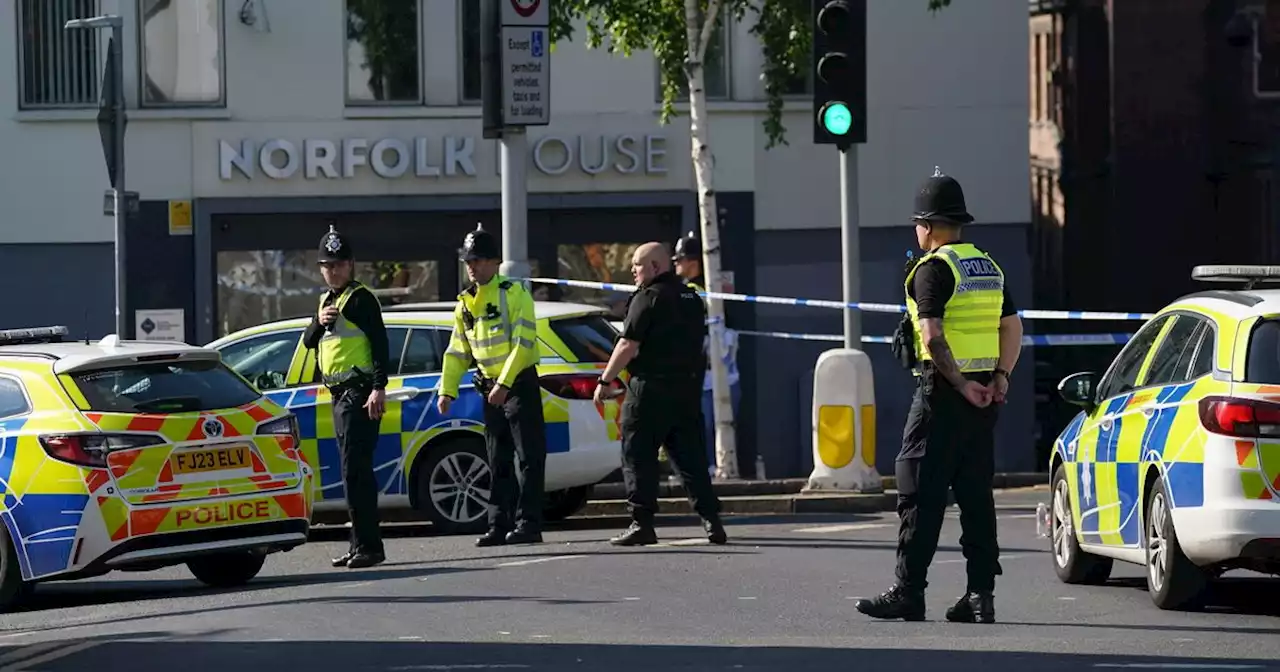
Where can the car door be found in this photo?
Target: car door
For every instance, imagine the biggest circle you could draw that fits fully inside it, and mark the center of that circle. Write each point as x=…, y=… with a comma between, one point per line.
x=1110, y=425
x=420, y=366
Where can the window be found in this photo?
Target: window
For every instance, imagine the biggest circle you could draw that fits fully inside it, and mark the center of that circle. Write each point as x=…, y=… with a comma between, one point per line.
x=715, y=67
x=383, y=56
x=263, y=360
x=469, y=39
x=58, y=67
x=1124, y=372
x=799, y=85
x=589, y=338
x=180, y=54
x=423, y=353
x=1262, y=364
x=395, y=348
x=1173, y=358
x=174, y=387
x=13, y=399
x=1204, y=358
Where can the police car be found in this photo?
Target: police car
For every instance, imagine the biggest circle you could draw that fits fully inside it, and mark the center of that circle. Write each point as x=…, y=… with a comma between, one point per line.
x=437, y=465
x=123, y=455
x=1174, y=462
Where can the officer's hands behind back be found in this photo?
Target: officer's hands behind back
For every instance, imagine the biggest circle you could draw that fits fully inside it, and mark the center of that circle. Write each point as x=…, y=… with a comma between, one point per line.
x=976, y=393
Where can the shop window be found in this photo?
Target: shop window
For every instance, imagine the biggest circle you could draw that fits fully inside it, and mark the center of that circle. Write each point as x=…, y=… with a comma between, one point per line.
x=384, y=58
x=469, y=50
x=597, y=262
x=181, y=52
x=57, y=68
x=261, y=286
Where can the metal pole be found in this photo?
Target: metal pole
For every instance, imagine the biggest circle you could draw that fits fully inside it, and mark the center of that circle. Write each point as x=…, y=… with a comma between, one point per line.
x=515, y=203
x=849, y=236
x=117, y=33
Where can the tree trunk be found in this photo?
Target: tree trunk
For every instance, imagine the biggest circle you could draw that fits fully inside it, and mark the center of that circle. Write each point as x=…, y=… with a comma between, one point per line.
x=699, y=31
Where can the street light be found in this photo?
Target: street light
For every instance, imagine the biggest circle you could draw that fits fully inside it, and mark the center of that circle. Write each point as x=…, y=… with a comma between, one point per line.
x=111, y=124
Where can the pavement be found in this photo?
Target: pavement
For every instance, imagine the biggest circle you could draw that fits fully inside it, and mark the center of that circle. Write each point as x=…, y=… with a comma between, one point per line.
x=778, y=597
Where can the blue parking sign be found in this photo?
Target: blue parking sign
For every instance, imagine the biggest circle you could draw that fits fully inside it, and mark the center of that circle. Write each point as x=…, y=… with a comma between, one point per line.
x=535, y=47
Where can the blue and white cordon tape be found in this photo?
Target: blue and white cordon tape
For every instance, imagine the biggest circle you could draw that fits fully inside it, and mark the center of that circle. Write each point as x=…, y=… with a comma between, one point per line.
x=840, y=305
x=1041, y=340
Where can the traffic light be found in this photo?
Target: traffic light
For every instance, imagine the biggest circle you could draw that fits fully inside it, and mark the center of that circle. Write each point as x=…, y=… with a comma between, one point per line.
x=839, y=72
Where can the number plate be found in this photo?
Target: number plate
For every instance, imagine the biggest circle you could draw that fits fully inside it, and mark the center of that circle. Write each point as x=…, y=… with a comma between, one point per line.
x=210, y=459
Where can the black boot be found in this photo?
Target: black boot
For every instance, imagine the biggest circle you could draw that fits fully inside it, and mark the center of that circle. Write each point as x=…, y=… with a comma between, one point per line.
x=974, y=607
x=524, y=535
x=897, y=602
x=638, y=534
x=715, y=531
x=342, y=560
x=494, y=537
x=364, y=559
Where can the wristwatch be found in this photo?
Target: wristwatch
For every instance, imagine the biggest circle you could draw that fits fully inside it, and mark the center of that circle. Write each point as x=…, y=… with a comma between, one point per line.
x=1001, y=372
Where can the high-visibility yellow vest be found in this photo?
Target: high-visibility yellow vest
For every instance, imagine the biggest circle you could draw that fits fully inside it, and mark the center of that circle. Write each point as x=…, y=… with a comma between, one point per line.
x=493, y=325
x=344, y=348
x=971, y=317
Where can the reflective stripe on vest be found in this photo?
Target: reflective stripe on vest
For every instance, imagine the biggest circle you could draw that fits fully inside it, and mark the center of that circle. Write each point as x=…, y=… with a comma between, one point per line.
x=491, y=337
x=344, y=348
x=971, y=317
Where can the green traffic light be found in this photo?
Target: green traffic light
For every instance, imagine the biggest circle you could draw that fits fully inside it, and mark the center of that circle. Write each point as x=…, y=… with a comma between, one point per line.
x=837, y=118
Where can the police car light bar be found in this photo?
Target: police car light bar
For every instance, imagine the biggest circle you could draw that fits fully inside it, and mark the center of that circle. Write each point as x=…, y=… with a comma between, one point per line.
x=1249, y=275
x=33, y=335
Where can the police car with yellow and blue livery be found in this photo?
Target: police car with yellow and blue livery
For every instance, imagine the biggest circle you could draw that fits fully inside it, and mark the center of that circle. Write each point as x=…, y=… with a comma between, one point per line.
x=1174, y=462
x=437, y=465
x=129, y=455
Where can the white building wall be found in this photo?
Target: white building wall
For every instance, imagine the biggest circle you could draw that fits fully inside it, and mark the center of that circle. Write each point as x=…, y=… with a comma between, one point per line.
x=947, y=90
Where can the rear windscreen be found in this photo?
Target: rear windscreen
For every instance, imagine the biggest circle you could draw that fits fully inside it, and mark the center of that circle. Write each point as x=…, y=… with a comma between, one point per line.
x=1262, y=364
x=172, y=387
x=590, y=338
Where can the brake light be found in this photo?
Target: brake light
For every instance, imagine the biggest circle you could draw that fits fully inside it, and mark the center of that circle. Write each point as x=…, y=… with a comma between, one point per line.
x=1248, y=418
x=90, y=450
x=575, y=386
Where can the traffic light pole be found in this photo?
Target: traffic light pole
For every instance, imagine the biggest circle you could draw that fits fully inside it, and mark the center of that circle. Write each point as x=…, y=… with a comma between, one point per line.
x=849, y=235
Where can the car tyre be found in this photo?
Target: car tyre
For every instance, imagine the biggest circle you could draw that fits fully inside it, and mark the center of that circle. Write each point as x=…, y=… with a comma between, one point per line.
x=227, y=570
x=453, y=483
x=1072, y=564
x=12, y=588
x=1175, y=583
x=564, y=503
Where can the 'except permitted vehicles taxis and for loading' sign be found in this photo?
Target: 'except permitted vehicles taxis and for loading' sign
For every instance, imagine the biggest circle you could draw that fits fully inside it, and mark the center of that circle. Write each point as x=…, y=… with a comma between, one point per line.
x=526, y=64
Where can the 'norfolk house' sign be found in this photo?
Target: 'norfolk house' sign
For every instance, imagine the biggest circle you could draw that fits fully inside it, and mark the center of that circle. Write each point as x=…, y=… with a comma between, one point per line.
x=391, y=158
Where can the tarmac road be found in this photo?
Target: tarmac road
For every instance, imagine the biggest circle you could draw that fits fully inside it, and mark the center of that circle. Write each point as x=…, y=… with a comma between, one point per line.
x=778, y=597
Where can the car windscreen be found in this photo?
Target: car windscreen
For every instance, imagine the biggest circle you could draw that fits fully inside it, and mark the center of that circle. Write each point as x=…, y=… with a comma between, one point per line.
x=164, y=387
x=590, y=337
x=1262, y=363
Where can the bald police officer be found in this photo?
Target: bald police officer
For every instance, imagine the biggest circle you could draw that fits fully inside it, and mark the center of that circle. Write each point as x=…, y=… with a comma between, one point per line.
x=352, y=353
x=494, y=326
x=966, y=337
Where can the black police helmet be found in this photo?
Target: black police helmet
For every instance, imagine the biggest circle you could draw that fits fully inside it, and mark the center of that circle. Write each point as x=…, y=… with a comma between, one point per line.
x=688, y=247
x=941, y=197
x=479, y=244
x=334, y=247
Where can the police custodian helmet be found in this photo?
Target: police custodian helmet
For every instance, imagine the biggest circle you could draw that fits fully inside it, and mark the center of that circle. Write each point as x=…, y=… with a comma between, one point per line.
x=688, y=247
x=479, y=244
x=940, y=197
x=334, y=247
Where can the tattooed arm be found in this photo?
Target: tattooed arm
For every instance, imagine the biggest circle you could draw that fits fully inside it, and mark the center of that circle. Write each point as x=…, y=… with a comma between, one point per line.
x=936, y=341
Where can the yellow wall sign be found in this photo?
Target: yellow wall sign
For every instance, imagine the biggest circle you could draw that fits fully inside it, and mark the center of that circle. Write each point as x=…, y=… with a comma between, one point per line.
x=179, y=218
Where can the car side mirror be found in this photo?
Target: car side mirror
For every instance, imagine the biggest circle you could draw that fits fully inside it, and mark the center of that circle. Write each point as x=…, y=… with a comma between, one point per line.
x=1078, y=389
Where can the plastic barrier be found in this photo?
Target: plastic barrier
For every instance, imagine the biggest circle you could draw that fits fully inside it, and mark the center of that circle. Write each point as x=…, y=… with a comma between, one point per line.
x=844, y=423
x=865, y=307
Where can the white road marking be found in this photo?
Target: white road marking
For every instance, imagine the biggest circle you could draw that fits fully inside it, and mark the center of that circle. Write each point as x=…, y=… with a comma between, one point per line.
x=1067, y=599
x=15, y=634
x=685, y=542
x=472, y=666
x=746, y=598
x=631, y=599
x=410, y=638
x=56, y=654
x=1180, y=666
x=535, y=561
x=826, y=529
x=1021, y=516
x=958, y=560
x=361, y=584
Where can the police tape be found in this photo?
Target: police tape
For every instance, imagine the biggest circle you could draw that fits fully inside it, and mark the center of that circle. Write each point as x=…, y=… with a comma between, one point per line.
x=1040, y=340
x=862, y=306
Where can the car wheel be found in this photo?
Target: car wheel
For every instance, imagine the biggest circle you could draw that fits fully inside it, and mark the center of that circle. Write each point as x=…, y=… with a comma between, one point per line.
x=1072, y=564
x=453, y=484
x=227, y=570
x=564, y=503
x=1173, y=580
x=12, y=588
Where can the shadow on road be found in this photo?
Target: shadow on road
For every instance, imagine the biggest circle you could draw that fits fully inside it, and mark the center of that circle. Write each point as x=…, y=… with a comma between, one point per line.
x=854, y=544
x=1250, y=595
x=210, y=656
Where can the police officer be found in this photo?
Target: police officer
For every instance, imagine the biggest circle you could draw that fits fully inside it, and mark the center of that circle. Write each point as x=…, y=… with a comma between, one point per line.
x=351, y=350
x=661, y=346
x=494, y=326
x=966, y=337
x=688, y=261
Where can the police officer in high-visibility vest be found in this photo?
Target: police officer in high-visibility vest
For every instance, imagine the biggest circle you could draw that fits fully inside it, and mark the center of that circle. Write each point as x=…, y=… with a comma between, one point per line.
x=352, y=354
x=494, y=326
x=966, y=340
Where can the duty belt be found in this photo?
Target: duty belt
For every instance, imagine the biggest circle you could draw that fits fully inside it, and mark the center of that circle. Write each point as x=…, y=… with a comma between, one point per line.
x=350, y=378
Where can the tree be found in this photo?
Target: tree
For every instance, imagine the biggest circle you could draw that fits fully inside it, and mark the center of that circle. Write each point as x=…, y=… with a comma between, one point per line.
x=678, y=33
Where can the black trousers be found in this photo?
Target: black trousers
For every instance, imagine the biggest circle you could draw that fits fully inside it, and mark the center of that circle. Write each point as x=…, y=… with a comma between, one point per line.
x=665, y=412
x=948, y=445
x=357, y=435
x=516, y=429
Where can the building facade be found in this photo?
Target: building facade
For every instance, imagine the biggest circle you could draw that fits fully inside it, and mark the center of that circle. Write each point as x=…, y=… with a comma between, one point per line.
x=255, y=125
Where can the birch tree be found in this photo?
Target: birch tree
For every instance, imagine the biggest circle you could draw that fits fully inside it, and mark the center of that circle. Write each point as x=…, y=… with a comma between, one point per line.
x=679, y=32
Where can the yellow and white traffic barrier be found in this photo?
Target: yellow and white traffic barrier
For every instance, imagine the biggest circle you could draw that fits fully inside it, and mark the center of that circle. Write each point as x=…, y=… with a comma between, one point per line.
x=844, y=423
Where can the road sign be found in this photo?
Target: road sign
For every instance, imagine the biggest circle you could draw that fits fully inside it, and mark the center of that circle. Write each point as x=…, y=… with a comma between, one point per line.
x=526, y=75
x=526, y=13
